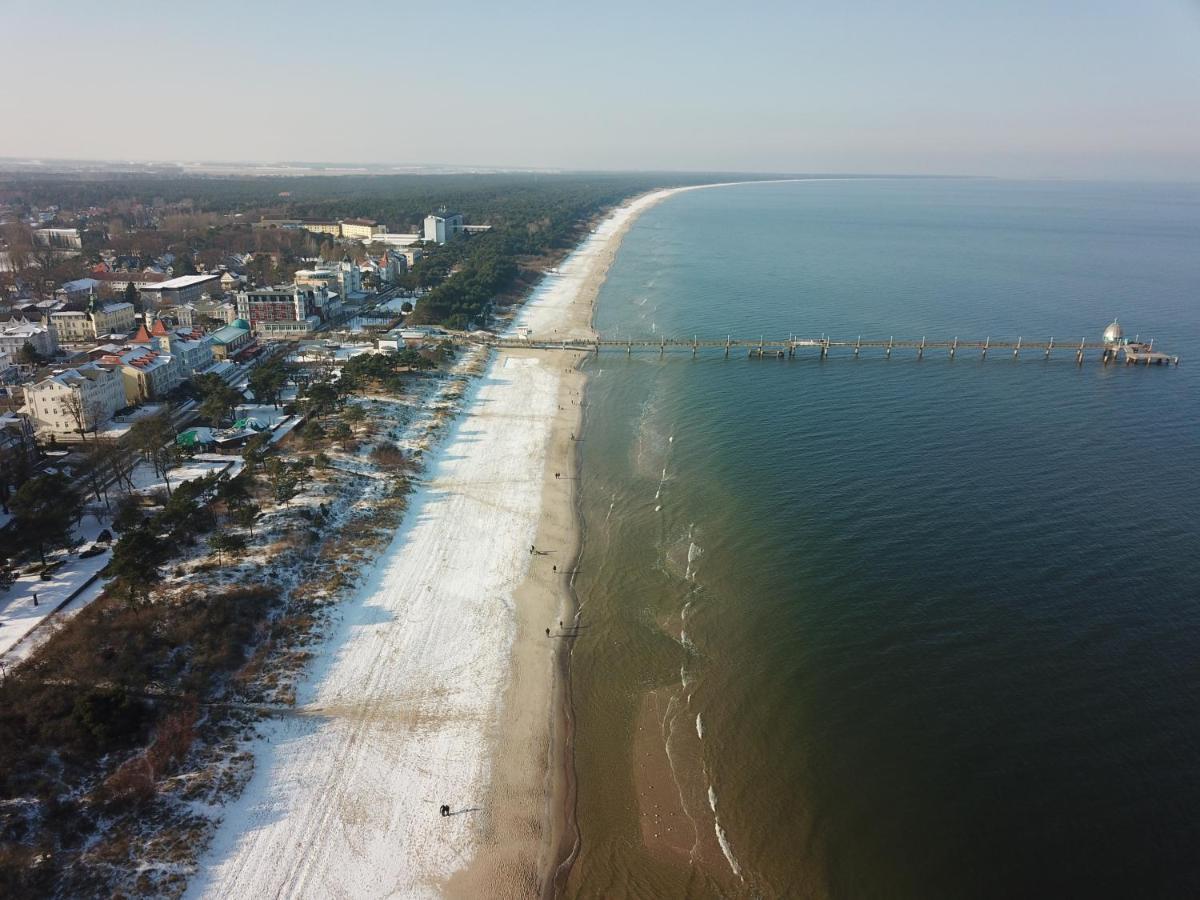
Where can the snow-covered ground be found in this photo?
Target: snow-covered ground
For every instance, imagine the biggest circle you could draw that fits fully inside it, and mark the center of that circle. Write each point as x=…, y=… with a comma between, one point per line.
x=18, y=614
x=146, y=481
x=395, y=716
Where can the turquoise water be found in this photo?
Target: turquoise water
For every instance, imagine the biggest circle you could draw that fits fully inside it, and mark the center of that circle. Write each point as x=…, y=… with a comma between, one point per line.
x=938, y=619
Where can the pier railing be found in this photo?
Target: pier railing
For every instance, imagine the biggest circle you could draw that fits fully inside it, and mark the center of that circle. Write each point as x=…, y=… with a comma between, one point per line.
x=1131, y=351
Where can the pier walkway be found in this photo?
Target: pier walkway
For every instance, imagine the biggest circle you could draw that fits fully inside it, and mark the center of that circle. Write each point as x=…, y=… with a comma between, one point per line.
x=1131, y=352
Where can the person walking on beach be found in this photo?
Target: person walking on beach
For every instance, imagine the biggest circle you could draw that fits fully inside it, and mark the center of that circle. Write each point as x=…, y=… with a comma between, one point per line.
x=547, y=632
x=445, y=810
x=35, y=603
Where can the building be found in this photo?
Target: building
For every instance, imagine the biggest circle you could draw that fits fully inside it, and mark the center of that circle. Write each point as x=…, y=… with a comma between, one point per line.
x=287, y=224
x=98, y=320
x=395, y=239
x=361, y=229
x=320, y=227
x=227, y=341
x=442, y=226
x=59, y=238
x=16, y=334
x=80, y=287
x=282, y=311
x=76, y=400
x=148, y=374
x=184, y=289
x=230, y=282
x=193, y=347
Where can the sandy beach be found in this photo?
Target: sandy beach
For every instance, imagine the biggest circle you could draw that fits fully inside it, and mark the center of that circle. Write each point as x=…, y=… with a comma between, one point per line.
x=438, y=686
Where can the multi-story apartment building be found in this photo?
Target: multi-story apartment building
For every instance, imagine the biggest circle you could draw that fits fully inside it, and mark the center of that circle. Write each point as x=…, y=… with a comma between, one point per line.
x=442, y=226
x=283, y=310
x=148, y=374
x=15, y=335
x=76, y=400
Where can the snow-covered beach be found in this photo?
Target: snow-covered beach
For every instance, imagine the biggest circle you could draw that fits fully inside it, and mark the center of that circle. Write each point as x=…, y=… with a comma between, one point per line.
x=407, y=703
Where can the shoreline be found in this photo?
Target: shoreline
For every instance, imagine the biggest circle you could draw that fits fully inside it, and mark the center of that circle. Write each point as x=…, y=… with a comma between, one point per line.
x=436, y=684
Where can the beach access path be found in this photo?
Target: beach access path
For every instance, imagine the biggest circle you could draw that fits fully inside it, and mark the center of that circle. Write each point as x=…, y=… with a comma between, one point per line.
x=435, y=687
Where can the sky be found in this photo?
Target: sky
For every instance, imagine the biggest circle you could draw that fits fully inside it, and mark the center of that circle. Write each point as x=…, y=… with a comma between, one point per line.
x=1052, y=88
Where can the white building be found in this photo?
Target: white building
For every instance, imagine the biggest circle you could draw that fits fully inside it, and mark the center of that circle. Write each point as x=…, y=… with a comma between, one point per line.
x=98, y=320
x=184, y=289
x=148, y=374
x=442, y=226
x=15, y=335
x=193, y=347
x=81, y=398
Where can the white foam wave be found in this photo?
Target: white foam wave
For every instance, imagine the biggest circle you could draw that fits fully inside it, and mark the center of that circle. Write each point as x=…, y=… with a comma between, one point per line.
x=722, y=838
x=699, y=727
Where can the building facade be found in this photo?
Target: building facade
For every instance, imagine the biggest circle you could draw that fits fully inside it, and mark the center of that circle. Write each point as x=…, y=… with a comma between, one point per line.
x=75, y=400
x=441, y=227
x=15, y=335
x=148, y=374
x=361, y=229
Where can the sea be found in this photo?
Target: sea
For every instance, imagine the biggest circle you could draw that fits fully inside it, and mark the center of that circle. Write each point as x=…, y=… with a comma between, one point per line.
x=892, y=628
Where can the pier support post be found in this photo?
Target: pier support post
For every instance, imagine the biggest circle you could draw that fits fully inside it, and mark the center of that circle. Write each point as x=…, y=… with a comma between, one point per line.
x=1049, y=347
x=629, y=349
x=921, y=349
x=825, y=348
x=888, y=355
x=662, y=347
x=695, y=344
x=728, y=340
x=983, y=355
x=954, y=347
x=1017, y=349
x=1079, y=352
x=857, y=346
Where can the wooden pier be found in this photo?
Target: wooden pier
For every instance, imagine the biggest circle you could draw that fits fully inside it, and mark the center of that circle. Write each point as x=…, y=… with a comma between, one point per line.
x=1130, y=352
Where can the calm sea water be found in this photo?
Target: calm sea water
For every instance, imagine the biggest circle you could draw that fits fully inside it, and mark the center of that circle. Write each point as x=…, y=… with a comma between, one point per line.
x=911, y=629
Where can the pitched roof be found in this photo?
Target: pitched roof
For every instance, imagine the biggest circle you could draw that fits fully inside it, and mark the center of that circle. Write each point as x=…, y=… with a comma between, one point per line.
x=159, y=329
x=142, y=336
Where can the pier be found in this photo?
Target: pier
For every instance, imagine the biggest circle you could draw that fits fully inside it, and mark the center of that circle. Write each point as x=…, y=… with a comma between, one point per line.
x=1113, y=347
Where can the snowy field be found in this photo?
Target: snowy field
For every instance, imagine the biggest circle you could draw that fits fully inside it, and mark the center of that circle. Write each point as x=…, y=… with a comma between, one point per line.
x=18, y=614
x=396, y=713
x=395, y=716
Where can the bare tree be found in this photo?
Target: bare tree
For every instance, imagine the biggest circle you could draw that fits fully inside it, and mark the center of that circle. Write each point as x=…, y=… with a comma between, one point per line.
x=77, y=409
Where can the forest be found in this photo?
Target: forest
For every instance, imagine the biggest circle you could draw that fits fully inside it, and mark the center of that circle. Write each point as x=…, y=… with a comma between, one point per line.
x=533, y=217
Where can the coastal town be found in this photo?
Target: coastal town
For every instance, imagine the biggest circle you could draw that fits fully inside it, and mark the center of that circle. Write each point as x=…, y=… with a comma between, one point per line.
x=215, y=432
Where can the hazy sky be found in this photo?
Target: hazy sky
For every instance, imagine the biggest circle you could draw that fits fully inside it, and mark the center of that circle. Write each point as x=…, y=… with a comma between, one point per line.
x=1102, y=88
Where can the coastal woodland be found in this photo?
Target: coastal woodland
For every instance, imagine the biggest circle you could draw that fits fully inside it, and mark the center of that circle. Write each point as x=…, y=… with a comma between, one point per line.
x=534, y=219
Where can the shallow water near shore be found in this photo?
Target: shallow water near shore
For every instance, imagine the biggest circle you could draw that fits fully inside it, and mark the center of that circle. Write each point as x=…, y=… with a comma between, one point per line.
x=870, y=628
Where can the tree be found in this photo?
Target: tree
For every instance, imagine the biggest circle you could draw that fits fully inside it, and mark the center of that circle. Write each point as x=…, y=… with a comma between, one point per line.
x=154, y=438
x=28, y=355
x=255, y=449
x=266, y=382
x=135, y=561
x=77, y=409
x=223, y=542
x=116, y=460
x=44, y=508
x=246, y=516
x=322, y=398
x=284, y=480
x=218, y=399
x=133, y=296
